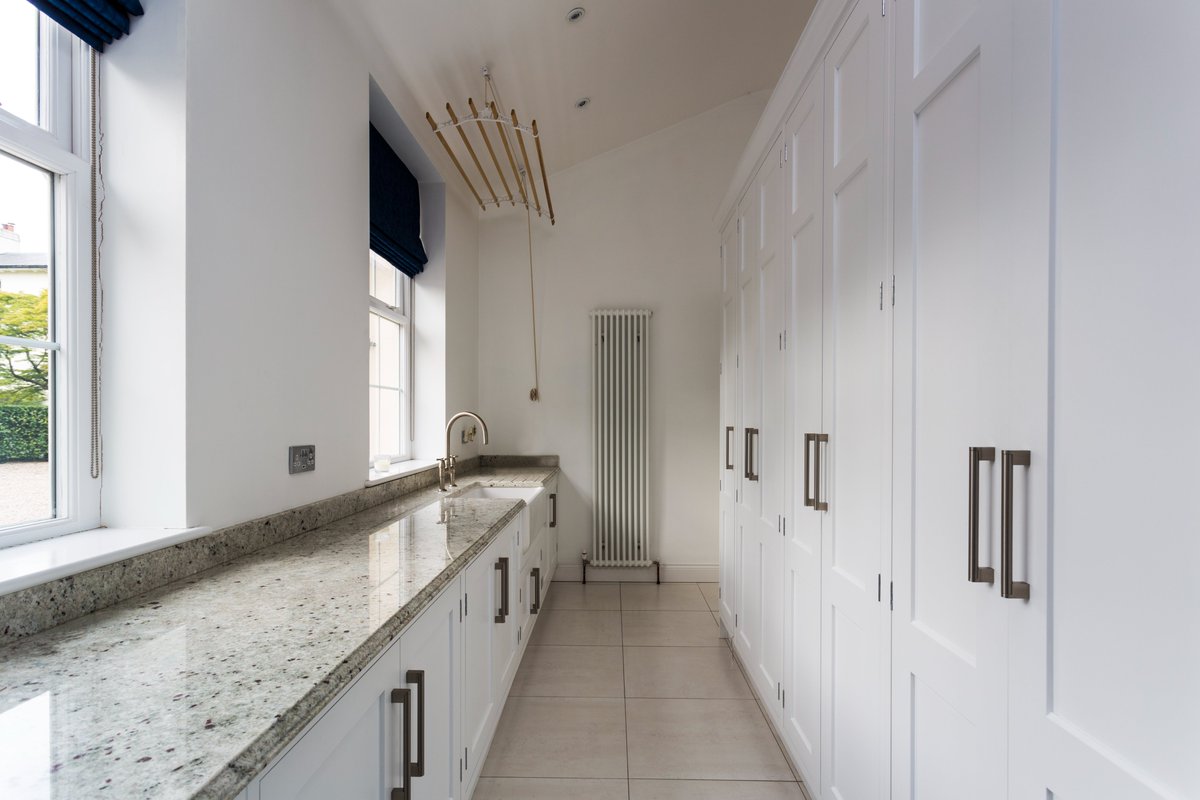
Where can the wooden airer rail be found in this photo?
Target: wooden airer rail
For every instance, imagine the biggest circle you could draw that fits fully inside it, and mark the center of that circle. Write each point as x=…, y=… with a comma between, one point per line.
x=522, y=172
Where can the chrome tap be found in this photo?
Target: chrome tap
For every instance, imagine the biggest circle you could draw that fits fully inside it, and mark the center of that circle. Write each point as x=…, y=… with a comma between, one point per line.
x=446, y=466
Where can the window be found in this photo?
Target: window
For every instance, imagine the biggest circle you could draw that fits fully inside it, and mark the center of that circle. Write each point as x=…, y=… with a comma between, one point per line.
x=390, y=382
x=45, y=245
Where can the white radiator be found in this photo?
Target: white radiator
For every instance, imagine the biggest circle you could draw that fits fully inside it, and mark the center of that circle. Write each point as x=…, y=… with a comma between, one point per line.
x=621, y=438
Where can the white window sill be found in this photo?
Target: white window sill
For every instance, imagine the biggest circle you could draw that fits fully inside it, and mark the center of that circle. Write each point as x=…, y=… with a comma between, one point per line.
x=399, y=470
x=25, y=565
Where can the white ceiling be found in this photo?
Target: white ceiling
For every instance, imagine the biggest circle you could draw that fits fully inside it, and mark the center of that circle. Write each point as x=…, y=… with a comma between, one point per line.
x=645, y=64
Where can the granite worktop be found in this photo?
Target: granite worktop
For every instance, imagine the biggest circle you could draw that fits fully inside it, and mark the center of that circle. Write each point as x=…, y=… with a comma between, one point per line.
x=191, y=689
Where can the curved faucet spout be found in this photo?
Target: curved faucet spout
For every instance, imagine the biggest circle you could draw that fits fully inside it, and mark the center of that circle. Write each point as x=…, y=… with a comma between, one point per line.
x=446, y=465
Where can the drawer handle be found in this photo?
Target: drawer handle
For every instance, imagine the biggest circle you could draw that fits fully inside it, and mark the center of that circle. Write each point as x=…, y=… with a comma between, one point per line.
x=1009, y=587
x=417, y=676
x=976, y=573
x=729, y=447
x=402, y=696
x=502, y=567
x=536, y=574
x=554, y=510
x=813, y=500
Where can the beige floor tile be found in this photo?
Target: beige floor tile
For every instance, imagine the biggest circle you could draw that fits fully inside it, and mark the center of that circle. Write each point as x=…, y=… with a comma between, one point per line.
x=552, y=789
x=702, y=740
x=559, y=737
x=578, y=671
x=684, y=672
x=589, y=597
x=662, y=597
x=712, y=596
x=669, y=629
x=567, y=627
x=712, y=790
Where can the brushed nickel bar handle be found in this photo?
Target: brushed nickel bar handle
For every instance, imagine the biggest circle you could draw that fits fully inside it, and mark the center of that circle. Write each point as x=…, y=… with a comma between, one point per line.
x=417, y=676
x=536, y=574
x=976, y=573
x=728, y=446
x=502, y=568
x=402, y=696
x=746, y=453
x=751, y=452
x=809, y=439
x=818, y=438
x=554, y=510
x=1009, y=587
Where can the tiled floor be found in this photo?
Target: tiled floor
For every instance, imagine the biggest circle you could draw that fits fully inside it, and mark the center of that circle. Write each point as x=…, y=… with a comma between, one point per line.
x=627, y=691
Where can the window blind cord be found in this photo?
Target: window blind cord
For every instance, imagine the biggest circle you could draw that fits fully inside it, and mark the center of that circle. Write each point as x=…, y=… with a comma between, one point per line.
x=97, y=231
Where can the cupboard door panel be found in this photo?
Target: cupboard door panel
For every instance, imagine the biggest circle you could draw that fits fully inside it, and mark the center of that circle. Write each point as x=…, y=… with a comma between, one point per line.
x=1107, y=648
x=770, y=443
x=954, y=322
x=802, y=545
x=352, y=750
x=430, y=647
x=856, y=386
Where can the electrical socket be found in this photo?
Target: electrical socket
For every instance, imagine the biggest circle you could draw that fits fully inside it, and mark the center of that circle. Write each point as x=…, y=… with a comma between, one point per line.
x=302, y=458
x=468, y=434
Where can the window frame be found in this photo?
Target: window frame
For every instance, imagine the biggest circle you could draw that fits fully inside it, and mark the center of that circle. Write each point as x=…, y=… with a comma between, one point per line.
x=59, y=144
x=402, y=316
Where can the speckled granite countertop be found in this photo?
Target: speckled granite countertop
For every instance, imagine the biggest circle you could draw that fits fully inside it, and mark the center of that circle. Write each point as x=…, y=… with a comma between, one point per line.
x=190, y=690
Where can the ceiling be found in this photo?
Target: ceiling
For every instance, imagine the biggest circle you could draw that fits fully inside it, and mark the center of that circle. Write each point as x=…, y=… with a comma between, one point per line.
x=645, y=64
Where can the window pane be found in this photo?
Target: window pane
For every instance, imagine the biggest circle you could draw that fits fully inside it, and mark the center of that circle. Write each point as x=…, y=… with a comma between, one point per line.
x=389, y=354
x=384, y=288
x=26, y=468
x=19, y=44
x=389, y=421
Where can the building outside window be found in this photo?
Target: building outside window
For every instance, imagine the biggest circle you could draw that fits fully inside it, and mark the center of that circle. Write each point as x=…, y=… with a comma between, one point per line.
x=46, y=485
x=390, y=382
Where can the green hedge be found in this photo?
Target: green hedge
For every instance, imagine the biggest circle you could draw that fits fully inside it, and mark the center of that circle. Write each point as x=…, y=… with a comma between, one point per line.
x=24, y=433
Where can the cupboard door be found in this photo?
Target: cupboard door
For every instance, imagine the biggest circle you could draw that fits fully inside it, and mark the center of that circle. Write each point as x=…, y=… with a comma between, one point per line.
x=768, y=668
x=802, y=544
x=481, y=648
x=958, y=289
x=730, y=424
x=352, y=751
x=506, y=655
x=430, y=664
x=1106, y=651
x=856, y=385
x=749, y=619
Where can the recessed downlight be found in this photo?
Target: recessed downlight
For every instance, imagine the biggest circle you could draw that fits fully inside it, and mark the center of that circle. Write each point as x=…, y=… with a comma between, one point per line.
x=575, y=14
x=583, y=102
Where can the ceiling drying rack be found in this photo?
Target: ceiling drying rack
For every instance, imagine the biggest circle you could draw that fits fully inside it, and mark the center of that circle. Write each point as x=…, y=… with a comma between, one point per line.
x=507, y=128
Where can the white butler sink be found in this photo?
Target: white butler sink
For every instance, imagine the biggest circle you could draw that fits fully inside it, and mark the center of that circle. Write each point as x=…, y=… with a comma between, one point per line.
x=528, y=494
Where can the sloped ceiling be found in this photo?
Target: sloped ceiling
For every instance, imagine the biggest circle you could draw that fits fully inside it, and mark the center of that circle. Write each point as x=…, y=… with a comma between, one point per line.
x=644, y=64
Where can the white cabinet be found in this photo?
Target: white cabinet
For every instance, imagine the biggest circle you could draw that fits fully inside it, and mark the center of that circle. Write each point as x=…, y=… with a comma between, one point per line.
x=489, y=658
x=352, y=750
x=448, y=674
x=987, y=404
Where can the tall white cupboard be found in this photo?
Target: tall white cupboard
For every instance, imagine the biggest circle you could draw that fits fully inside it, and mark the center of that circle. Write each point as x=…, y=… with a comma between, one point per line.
x=960, y=374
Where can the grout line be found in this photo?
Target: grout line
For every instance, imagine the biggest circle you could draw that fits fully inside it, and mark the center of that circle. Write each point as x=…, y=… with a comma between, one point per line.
x=624, y=692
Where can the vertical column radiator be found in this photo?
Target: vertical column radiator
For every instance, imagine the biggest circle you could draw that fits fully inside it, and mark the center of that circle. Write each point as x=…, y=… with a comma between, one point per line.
x=621, y=438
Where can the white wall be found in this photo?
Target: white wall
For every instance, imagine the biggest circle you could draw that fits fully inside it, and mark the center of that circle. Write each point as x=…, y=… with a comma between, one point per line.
x=144, y=387
x=235, y=258
x=635, y=229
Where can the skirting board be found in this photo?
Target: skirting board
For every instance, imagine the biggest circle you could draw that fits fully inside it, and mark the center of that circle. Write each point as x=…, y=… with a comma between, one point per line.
x=671, y=573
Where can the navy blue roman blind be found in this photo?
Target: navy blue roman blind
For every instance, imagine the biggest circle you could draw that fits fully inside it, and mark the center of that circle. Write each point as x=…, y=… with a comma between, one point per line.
x=96, y=22
x=395, y=209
